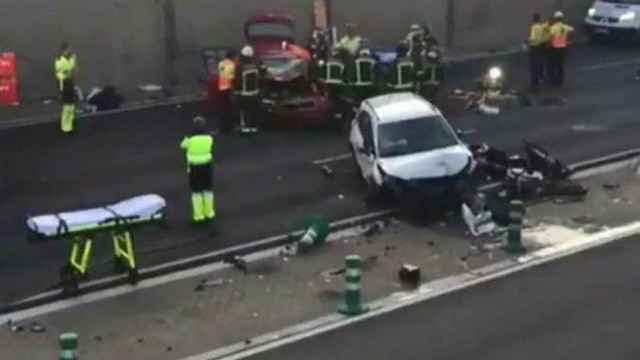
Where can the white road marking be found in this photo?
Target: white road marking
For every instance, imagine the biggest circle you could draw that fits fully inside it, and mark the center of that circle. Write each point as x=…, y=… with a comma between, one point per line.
x=180, y=275
x=610, y=65
x=332, y=159
x=431, y=290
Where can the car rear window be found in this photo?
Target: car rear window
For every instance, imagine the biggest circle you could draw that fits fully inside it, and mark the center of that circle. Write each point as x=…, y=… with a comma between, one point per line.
x=414, y=136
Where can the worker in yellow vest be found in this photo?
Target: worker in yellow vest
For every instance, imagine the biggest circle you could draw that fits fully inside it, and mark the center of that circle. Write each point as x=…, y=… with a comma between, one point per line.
x=199, y=149
x=538, y=37
x=226, y=76
x=65, y=69
x=558, y=42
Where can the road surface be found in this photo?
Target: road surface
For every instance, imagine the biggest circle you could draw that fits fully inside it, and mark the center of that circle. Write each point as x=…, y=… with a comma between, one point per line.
x=267, y=184
x=581, y=307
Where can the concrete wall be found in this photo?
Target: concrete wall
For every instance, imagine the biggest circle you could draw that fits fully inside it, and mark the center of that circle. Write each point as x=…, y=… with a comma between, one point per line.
x=129, y=42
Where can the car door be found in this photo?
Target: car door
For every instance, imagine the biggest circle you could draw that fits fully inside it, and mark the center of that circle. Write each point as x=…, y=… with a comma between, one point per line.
x=364, y=145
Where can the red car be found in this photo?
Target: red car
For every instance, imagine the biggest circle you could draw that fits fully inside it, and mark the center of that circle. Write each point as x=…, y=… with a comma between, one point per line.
x=288, y=97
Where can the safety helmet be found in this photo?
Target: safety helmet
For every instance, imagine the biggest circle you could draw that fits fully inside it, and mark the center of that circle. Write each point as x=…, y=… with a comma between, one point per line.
x=558, y=15
x=433, y=55
x=365, y=52
x=247, y=51
x=416, y=27
x=199, y=122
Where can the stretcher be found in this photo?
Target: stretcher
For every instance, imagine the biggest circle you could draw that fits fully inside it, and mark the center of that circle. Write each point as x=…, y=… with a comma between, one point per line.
x=137, y=210
x=81, y=228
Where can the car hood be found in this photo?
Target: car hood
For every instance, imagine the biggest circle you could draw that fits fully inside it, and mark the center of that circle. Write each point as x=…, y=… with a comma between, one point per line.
x=612, y=10
x=439, y=163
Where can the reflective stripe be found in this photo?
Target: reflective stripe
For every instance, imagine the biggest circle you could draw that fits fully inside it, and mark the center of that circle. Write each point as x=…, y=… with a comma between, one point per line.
x=353, y=286
x=559, y=34
x=250, y=89
x=359, y=72
x=432, y=79
x=331, y=66
x=400, y=80
x=353, y=272
x=309, y=237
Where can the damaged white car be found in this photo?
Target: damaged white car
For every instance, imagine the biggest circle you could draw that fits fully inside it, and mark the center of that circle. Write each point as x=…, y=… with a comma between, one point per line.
x=403, y=145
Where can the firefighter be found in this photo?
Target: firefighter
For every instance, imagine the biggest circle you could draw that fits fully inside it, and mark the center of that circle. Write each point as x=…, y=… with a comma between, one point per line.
x=537, y=42
x=363, y=79
x=332, y=74
x=558, y=42
x=402, y=74
x=226, y=73
x=65, y=69
x=318, y=45
x=431, y=74
x=415, y=40
x=199, y=148
x=247, y=90
x=351, y=42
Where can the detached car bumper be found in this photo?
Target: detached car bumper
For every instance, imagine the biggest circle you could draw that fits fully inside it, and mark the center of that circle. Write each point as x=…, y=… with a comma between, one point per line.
x=430, y=189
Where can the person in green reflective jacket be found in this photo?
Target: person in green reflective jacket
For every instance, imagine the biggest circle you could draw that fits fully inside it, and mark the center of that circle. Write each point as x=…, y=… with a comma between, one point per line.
x=199, y=150
x=65, y=69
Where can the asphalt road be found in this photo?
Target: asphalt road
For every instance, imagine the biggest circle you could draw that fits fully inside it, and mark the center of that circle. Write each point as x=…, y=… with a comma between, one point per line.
x=267, y=184
x=580, y=307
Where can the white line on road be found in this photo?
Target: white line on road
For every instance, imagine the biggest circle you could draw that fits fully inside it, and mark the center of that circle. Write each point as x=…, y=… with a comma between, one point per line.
x=610, y=65
x=176, y=276
x=426, y=292
x=332, y=159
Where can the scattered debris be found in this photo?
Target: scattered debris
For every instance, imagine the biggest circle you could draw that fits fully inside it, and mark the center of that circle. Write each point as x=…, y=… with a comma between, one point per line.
x=17, y=328
x=247, y=341
x=388, y=248
x=97, y=338
x=333, y=272
x=373, y=229
x=140, y=340
x=150, y=87
x=285, y=259
x=327, y=171
x=279, y=178
x=255, y=315
x=211, y=283
x=260, y=277
x=584, y=219
x=431, y=243
x=410, y=275
x=238, y=262
x=37, y=328
x=169, y=348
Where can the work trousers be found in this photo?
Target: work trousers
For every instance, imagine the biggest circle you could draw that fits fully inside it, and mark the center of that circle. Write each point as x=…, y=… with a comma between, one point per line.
x=536, y=66
x=202, y=197
x=556, y=66
x=226, y=111
x=68, y=114
x=249, y=111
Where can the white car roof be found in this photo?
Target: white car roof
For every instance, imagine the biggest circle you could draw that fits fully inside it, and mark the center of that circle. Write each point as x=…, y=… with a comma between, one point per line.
x=400, y=106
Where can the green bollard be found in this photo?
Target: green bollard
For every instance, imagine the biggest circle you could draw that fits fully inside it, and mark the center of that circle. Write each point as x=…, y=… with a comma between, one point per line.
x=514, y=235
x=68, y=346
x=316, y=232
x=352, y=304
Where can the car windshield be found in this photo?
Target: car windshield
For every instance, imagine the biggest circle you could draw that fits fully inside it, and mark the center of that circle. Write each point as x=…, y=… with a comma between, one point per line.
x=271, y=30
x=632, y=2
x=414, y=136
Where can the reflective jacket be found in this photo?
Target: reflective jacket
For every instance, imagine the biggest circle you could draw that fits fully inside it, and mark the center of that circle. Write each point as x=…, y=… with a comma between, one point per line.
x=226, y=74
x=199, y=149
x=364, y=74
x=247, y=81
x=64, y=68
x=559, y=34
x=332, y=72
x=402, y=75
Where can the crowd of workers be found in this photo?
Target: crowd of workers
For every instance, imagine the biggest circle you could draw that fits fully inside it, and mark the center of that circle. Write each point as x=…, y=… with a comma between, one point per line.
x=548, y=42
x=350, y=69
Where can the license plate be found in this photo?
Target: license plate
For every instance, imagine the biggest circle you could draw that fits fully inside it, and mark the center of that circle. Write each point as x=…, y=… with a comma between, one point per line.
x=601, y=31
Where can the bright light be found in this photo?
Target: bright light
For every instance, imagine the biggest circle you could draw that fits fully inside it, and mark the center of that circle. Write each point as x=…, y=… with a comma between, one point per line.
x=284, y=45
x=628, y=16
x=592, y=12
x=495, y=73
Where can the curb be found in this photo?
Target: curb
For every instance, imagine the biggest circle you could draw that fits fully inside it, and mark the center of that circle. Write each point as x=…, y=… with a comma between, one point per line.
x=134, y=106
x=189, y=263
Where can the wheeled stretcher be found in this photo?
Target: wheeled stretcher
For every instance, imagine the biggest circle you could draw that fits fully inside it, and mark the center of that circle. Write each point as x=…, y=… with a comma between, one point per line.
x=82, y=226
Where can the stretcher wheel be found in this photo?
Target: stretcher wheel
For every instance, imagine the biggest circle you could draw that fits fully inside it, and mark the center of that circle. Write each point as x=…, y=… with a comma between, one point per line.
x=69, y=280
x=134, y=276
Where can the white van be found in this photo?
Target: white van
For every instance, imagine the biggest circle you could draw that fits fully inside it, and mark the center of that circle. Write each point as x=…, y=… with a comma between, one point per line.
x=614, y=19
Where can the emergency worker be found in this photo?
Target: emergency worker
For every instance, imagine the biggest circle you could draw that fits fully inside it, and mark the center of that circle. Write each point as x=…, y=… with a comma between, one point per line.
x=199, y=149
x=363, y=80
x=247, y=90
x=431, y=75
x=558, y=41
x=537, y=41
x=226, y=73
x=403, y=73
x=65, y=69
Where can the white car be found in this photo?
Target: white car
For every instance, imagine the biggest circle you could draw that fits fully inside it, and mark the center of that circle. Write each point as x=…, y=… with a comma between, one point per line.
x=401, y=143
x=614, y=18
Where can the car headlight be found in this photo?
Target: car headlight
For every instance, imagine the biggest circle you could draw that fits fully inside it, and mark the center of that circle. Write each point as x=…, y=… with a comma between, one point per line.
x=591, y=12
x=628, y=16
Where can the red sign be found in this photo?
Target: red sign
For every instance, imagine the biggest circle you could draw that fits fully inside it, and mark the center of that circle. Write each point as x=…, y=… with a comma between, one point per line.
x=8, y=67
